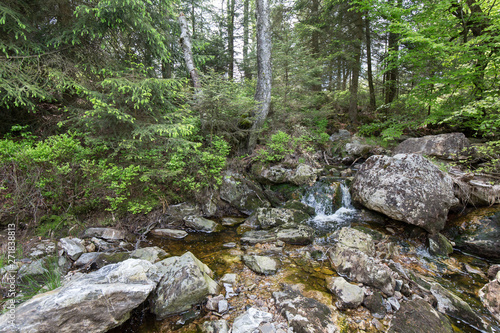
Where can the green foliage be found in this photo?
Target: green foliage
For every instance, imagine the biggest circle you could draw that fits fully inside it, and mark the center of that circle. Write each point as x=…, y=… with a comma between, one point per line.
x=57, y=225
x=30, y=286
x=224, y=107
x=195, y=168
x=277, y=149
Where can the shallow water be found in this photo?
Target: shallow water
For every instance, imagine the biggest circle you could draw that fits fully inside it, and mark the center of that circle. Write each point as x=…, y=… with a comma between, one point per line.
x=309, y=267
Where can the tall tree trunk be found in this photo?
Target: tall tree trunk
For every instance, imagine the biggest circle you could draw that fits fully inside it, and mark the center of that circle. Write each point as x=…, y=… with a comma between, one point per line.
x=373, y=101
x=246, y=32
x=356, y=68
x=264, y=72
x=315, y=39
x=230, y=37
x=391, y=87
x=188, y=54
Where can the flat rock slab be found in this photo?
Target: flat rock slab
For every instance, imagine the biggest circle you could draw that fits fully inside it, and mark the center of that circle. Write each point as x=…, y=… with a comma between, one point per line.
x=105, y=233
x=169, y=233
x=94, y=302
x=452, y=146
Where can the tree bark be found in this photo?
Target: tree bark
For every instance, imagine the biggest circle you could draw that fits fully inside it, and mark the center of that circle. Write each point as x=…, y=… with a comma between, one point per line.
x=246, y=32
x=188, y=54
x=356, y=68
x=264, y=72
x=373, y=101
x=230, y=37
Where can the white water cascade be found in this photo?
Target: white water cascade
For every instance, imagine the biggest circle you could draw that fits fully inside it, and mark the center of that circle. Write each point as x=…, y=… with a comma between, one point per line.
x=322, y=196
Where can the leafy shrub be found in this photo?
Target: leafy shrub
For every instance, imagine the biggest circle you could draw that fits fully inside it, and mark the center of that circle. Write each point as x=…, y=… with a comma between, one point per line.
x=277, y=149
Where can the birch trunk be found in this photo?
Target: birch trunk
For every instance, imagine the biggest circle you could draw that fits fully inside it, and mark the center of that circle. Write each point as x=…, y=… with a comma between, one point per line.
x=264, y=73
x=188, y=54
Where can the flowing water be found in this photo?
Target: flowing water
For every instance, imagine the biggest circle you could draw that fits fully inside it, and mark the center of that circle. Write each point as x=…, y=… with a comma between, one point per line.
x=332, y=202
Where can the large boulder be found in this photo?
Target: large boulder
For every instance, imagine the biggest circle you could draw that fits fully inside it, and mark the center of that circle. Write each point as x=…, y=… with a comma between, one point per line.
x=418, y=316
x=406, y=187
x=94, y=302
x=186, y=281
x=451, y=146
x=242, y=193
x=359, y=267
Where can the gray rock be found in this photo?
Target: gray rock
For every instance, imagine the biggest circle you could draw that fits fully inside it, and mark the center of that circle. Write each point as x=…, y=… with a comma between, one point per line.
x=452, y=146
x=407, y=188
x=258, y=236
x=375, y=303
x=250, y=320
x=394, y=303
x=341, y=135
x=276, y=174
x=241, y=193
x=186, y=281
x=86, y=259
x=94, y=302
x=33, y=270
x=215, y=326
x=490, y=296
x=232, y=221
x=493, y=270
x=350, y=296
x=482, y=234
x=304, y=174
x=261, y=264
x=453, y=306
x=175, y=214
x=102, y=246
x=105, y=233
x=169, y=233
x=301, y=235
x=44, y=248
x=296, y=204
x=272, y=217
x=151, y=254
x=439, y=245
x=202, y=224
x=104, y=259
x=229, y=278
x=417, y=316
x=356, y=148
x=73, y=247
x=304, y=314
x=358, y=266
x=267, y=328
x=353, y=238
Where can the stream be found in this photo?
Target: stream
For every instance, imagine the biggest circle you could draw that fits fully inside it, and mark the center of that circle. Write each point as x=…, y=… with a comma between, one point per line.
x=461, y=274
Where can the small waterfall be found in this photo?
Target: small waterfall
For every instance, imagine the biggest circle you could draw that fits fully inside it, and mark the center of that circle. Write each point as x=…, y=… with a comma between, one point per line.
x=332, y=203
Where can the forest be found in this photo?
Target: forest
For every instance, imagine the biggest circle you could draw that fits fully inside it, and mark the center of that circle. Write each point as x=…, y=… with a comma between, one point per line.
x=128, y=106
